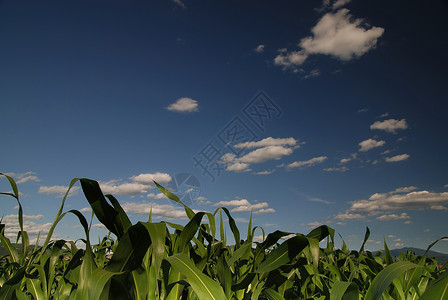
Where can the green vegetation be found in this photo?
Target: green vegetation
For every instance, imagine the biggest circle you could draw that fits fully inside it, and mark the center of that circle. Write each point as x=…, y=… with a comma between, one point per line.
x=169, y=261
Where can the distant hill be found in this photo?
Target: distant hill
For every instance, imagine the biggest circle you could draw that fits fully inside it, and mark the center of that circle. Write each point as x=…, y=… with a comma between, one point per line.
x=3, y=251
x=442, y=258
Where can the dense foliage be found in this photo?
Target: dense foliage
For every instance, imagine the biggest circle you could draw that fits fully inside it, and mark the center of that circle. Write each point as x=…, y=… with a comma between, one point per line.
x=164, y=260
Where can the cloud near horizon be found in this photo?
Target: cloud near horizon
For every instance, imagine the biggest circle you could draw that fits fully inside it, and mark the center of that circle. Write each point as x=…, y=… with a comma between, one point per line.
x=244, y=205
x=401, y=199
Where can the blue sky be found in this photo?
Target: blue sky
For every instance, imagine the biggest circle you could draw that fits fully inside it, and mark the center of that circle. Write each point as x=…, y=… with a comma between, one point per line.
x=305, y=112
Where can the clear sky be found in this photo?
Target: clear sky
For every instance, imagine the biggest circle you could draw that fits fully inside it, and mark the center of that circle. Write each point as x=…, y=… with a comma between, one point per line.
x=305, y=112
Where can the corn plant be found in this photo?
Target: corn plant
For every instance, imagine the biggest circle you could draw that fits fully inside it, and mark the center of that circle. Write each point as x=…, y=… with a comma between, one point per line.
x=165, y=260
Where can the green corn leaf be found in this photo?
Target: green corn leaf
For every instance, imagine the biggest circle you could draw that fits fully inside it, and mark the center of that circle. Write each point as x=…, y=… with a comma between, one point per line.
x=140, y=278
x=233, y=227
x=122, y=216
x=438, y=290
x=131, y=249
x=283, y=254
x=342, y=290
x=240, y=252
x=273, y=295
x=14, y=255
x=321, y=232
x=224, y=275
x=385, y=278
x=204, y=287
x=34, y=287
x=8, y=288
x=273, y=238
x=189, y=231
x=190, y=213
x=387, y=255
x=366, y=237
x=97, y=282
x=105, y=213
x=57, y=219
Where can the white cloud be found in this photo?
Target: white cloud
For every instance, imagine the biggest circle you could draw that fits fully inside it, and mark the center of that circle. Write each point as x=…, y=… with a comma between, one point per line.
x=245, y=205
x=266, y=153
x=269, y=141
x=339, y=3
x=427, y=230
x=57, y=190
x=259, y=48
x=348, y=216
x=397, y=158
x=238, y=167
x=340, y=169
x=398, y=245
x=393, y=217
x=370, y=144
x=438, y=207
x=290, y=59
x=264, y=211
x=156, y=196
x=339, y=35
x=265, y=172
x=267, y=149
x=184, y=105
x=111, y=187
x=408, y=222
x=33, y=229
x=345, y=160
x=201, y=200
x=390, y=125
x=383, y=202
x=167, y=211
x=24, y=177
x=307, y=163
x=147, y=178
x=85, y=209
x=406, y=189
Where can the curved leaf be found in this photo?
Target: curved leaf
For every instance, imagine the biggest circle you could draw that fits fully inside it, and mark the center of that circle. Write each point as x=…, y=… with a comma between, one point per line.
x=385, y=278
x=203, y=286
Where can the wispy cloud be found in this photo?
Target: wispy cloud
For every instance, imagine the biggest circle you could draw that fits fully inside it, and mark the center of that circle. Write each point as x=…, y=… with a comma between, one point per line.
x=397, y=158
x=390, y=217
x=390, y=125
x=57, y=190
x=265, y=172
x=244, y=205
x=259, y=48
x=399, y=200
x=307, y=163
x=184, y=105
x=24, y=177
x=167, y=211
x=264, y=150
x=337, y=169
x=180, y=3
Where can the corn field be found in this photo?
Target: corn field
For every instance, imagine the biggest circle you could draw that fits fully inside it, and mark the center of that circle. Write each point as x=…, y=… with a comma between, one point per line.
x=164, y=260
